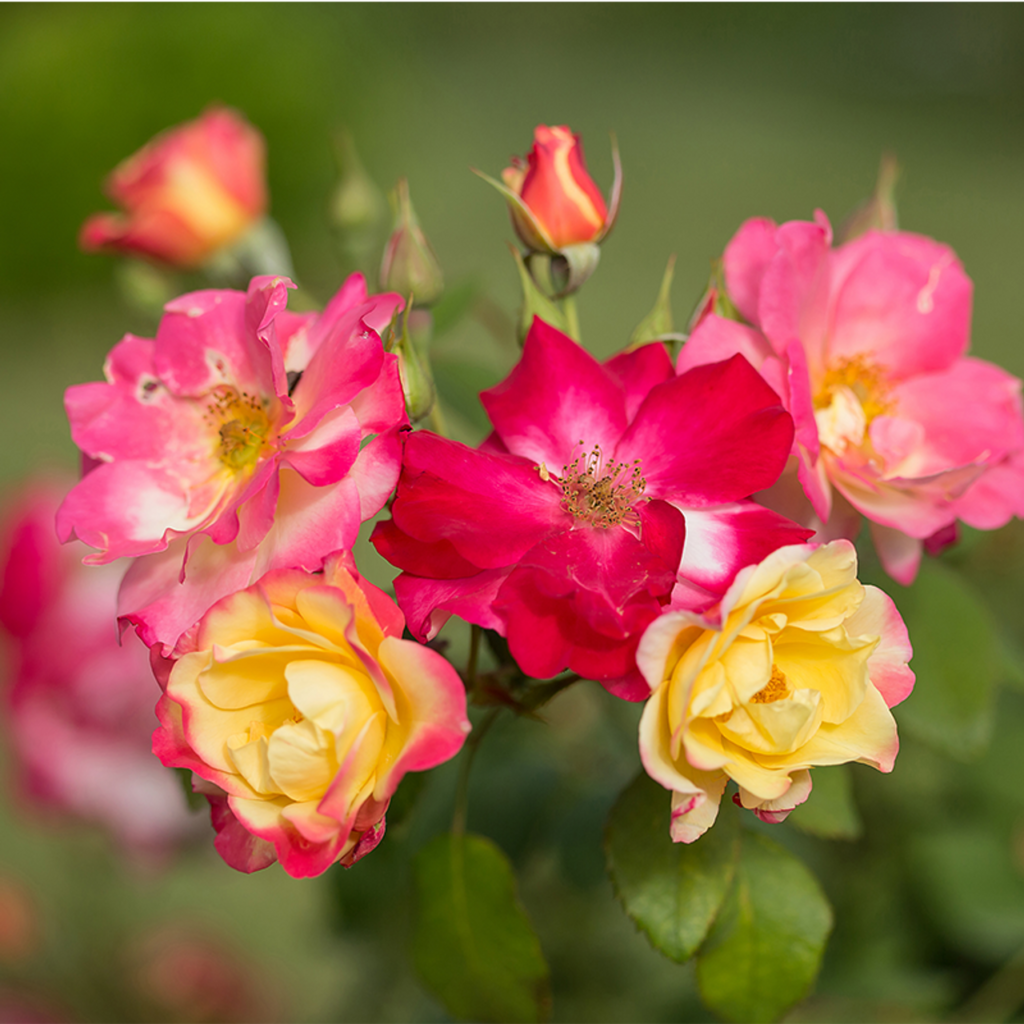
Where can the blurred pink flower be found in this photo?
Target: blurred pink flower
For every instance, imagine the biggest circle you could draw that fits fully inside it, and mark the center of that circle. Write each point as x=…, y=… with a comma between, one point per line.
x=192, y=190
x=865, y=344
x=605, y=492
x=80, y=706
x=243, y=438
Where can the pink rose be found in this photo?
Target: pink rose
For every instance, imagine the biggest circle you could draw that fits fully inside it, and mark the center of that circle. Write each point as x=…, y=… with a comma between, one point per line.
x=565, y=530
x=243, y=438
x=192, y=190
x=80, y=706
x=866, y=343
x=300, y=704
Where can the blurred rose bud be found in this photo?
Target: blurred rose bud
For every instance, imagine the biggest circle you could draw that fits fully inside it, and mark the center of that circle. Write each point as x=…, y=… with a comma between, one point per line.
x=409, y=265
x=190, y=192
x=559, y=193
x=357, y=205
x=79, y=706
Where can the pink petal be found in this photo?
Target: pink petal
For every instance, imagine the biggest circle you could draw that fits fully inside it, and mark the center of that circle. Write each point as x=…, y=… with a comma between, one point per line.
x=239, y=848
x=745, y=261
x=713, y=435
x=451, y=492
x=124, y=508
x=557, y=397
x=888, y=665
x=327, y=454
x=716, y=338
x=900, y=555
x=794, y=290
x=428, y=603
x=436, y=699
x=721, y=541
x=901, y=299
x=638, y=371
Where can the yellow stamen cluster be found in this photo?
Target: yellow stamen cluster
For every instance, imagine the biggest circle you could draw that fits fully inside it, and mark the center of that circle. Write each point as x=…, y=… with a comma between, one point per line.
x=242, y=426
x=601, y=495
x=775, y=689
x=863, y=378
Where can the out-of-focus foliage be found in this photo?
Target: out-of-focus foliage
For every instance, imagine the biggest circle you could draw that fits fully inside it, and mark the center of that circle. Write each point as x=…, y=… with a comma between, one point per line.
x=721, y=113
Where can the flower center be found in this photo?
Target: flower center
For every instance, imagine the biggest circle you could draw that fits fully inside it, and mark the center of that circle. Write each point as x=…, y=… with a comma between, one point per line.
x=601, y=494
x=777, y=688
x=852, y=393
x=242, y=426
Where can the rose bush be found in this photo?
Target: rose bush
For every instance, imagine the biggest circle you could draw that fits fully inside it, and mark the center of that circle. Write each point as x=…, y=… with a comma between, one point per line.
x=797, y=668
x=300, y=704
x=192, y=190
x=243, y=438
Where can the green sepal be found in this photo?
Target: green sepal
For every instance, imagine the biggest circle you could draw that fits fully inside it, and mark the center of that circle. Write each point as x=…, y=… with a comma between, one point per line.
x=658, y=322
x=535, y=302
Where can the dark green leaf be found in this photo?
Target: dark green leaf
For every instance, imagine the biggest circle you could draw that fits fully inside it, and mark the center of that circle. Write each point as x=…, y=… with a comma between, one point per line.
x=672, y=891
x=830, y=812
x=957, y=660
x=474, y=945
x=765, y=947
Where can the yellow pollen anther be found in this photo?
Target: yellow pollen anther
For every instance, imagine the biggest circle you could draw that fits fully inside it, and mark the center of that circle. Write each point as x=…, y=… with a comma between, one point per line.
x=242, y=426
x=602, y=495
x=775, y=689
x=863, y=378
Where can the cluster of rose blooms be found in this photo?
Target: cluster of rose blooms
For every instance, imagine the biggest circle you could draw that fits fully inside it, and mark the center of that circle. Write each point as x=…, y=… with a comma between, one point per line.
x=677, y=529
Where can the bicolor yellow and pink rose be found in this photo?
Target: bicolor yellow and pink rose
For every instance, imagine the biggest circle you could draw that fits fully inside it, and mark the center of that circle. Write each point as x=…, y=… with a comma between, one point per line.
x=797, y=669
x=301, y=707
x=187, y=193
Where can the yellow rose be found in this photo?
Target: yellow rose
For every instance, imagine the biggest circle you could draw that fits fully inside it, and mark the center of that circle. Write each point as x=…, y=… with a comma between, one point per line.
x=797, y=667
x=302, y=707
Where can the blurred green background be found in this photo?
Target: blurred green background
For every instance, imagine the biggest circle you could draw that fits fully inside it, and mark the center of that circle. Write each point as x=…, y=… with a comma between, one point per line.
x=721, y=113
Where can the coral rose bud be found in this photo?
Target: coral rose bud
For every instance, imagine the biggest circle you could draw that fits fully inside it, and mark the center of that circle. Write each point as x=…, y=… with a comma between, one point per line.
x=302, y=707
x=559, y=193
x=798, y=669
x=188, y=193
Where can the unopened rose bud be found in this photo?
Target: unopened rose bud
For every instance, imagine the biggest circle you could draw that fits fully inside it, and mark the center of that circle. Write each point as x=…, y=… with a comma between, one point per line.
x=409, y=338
x=188, y=194
x=357, y=208
x=409, y=264
x=557, y=190
x=556, y=208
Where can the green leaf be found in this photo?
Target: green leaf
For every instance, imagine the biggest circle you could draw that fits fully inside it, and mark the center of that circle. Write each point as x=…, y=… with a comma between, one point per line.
x=474, y=946
x=658, y=322
x=765, y=947
x=672, y=891
x=830, y=812
x=957, y=660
